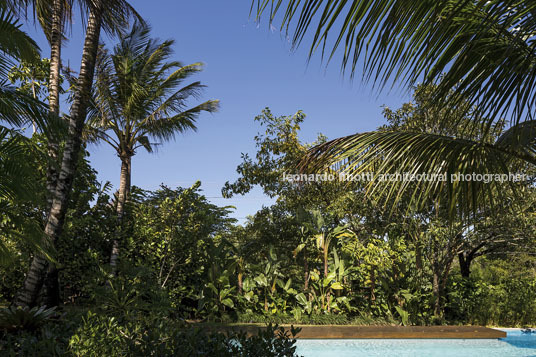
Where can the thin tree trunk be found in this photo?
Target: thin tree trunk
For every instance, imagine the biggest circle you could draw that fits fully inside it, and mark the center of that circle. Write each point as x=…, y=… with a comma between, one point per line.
x=306, y=268
x=34, y=95
x=418, y=257
x=35, y=276
x=437, y=293
x=326, y=261
x=240, y=284
x=372, y=287
x=122, y=196
x=465, y=259
x=465, y=264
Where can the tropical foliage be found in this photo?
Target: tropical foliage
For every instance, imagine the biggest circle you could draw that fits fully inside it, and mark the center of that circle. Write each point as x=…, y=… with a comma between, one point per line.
x=329, y=250
x=483, y=49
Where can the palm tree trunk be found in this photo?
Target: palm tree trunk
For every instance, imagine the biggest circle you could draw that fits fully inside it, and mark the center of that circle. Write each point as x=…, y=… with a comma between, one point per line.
x=54, y=93
x=51, y=291
x=35, y=276
x=56, y=35
x=122, y=196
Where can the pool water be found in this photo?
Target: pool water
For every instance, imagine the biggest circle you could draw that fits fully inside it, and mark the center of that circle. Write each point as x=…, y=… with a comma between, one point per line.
x=515, y=344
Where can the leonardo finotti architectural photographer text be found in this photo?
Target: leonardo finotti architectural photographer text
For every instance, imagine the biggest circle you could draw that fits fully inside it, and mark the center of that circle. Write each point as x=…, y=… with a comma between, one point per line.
x=406, y=177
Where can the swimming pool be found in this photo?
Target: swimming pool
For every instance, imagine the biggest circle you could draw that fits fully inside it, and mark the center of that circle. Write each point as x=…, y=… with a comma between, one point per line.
x=515, y=344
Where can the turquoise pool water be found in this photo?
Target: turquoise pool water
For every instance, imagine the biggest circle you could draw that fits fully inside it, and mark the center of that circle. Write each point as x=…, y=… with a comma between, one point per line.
x=515, y=344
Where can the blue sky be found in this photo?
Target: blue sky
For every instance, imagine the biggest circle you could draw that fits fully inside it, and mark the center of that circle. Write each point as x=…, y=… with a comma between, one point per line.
x=248, y=67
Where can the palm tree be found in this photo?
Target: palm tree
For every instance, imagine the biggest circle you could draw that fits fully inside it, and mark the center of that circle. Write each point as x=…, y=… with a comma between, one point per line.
x=112, y=16
x=486, y=50
x=138, y=98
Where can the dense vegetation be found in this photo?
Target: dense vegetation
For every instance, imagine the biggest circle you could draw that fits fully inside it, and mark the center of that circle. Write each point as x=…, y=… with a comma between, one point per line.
x=87, y=269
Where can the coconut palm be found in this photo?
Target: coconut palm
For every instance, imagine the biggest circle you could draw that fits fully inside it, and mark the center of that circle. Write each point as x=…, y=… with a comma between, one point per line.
x=111, y=16
x=139, y=99
x=486, y=50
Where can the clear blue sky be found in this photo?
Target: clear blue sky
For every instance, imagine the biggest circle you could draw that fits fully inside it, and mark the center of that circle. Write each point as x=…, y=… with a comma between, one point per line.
x=248, y=67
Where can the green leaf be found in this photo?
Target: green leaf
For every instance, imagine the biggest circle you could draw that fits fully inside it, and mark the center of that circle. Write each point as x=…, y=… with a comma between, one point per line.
x=228, y=302
x=337, y=286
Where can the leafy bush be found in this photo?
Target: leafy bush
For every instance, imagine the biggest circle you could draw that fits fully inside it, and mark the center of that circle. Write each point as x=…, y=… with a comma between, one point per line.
x=97, y=334
x=107, y=336
x=131, y=291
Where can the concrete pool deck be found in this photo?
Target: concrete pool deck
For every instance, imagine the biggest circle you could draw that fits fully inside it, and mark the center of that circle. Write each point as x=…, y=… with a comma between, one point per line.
x=380, y=332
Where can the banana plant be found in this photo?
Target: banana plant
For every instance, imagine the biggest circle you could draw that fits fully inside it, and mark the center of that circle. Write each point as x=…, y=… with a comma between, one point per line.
x=325, y=294
x=307, y=304
x=324, y=239
x=287, y=291
x=248, y=291
x=305, y=238
x=267, y=280
x=217, y=294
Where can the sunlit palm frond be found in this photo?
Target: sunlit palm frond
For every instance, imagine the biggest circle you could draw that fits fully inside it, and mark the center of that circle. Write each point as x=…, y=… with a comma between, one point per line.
x=174, y=103
x=166, y=128
x=382, y=155
x=486, y=48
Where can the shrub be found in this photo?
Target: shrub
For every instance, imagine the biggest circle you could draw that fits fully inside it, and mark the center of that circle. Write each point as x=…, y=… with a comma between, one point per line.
x=97, y=334
x=16, y=318
x=106, y=336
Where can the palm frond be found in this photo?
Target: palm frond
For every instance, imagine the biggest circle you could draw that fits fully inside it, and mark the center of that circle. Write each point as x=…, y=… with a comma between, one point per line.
x=486, y=48
x=16, y=182
x=116, y=15
x=166, y=128
x=14, y=43
x=145, y=143
x=174, y=103
x=394, y=162
x=139, y=95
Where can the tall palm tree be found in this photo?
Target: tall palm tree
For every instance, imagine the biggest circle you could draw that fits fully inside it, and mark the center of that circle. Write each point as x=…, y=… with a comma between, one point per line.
x=138, y=99
x=111, y=16
x=486, y=50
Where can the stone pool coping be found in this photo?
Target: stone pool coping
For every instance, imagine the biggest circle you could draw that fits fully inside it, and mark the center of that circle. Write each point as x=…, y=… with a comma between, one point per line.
x=377, y=332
